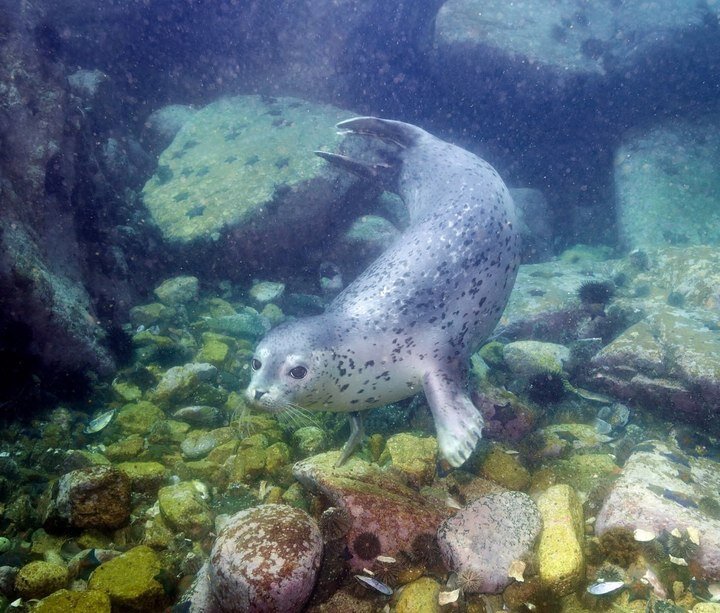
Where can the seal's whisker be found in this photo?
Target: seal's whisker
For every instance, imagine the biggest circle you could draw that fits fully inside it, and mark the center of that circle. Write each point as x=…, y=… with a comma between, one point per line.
x=296, y=416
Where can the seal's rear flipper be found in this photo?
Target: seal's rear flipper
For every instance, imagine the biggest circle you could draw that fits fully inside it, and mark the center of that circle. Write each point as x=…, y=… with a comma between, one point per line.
x=357, y=431
x=357, y=167
x=457, y=421
x=398, y=132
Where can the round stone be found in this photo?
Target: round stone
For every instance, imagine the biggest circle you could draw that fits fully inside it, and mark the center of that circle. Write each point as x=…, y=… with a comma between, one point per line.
x=265, y=559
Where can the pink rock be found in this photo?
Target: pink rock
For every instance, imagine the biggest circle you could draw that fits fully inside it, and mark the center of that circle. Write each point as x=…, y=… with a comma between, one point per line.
x=483, y=539
x=651, y=495
x=387, y=516
x=265, y=559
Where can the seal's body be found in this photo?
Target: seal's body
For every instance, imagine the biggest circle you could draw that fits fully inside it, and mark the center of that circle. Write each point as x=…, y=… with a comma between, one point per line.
x=414, y=317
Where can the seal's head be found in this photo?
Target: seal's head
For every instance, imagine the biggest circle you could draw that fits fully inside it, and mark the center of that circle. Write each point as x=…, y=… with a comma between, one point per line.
x=290, y=367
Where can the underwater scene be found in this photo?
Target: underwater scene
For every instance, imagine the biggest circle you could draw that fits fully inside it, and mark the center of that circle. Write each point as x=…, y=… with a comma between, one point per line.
x=359, y=306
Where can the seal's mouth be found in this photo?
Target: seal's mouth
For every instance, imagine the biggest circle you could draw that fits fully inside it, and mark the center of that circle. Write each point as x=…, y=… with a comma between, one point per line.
x=262, y=400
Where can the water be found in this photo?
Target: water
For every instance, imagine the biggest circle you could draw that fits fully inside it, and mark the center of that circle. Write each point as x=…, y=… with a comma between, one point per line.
x=162, y=211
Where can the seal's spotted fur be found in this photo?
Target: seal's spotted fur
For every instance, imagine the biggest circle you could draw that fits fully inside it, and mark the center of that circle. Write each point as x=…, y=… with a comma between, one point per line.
x=414, y=317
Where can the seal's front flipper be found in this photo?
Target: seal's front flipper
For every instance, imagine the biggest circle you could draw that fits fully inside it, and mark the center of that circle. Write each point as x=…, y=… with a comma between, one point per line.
x=457, y=421
x=357, y=167
x=357, y=431
x=398, y=132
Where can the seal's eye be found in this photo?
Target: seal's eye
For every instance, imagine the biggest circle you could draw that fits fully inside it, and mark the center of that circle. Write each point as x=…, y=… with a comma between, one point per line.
x=298, y=372
x=255, y=364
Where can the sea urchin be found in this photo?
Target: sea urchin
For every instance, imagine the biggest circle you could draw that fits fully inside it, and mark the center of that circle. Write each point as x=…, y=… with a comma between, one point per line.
x=596, y=292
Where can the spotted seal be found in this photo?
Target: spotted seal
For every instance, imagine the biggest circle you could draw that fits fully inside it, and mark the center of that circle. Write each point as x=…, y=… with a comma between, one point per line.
x=411, y=321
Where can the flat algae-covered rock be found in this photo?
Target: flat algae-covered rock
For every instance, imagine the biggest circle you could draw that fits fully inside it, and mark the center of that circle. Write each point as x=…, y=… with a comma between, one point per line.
x=661, y=488
x=242, y=169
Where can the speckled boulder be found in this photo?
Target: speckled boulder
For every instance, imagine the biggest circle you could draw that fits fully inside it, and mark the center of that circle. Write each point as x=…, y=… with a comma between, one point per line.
x=129, y=581
x=265, y=559
x=661, y=488
x=39, y=579
x=387, y=515
x=94, y=497
x=485, y=538
x=240, y=178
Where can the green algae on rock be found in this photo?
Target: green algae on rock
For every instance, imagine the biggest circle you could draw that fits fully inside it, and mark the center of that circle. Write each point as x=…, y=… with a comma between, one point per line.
x=243, y=167
x=130, y=581
x=561, y=562
x=39, y=579
x=62, y=601
x=184, y=508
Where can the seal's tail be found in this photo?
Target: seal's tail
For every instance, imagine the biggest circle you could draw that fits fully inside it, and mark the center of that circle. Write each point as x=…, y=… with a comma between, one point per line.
x=398, y=132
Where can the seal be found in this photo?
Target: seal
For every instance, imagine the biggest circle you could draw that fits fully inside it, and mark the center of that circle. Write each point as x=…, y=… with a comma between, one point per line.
x=412, y=319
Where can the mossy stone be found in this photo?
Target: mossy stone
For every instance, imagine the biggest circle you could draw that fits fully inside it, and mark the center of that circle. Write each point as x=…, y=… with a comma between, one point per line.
x=295, y=496
x=277, y=455
x=178, y=291
x=138, y=417
x=249, y=464
x=151, y=314
x=145, y=477
x=129, y=581
x=126, y=448
x=64, y=601
x=413, y=456
x=214, y=352
x=505, y=469
x=226, y=162
x=561, y=563
x=222, y=452
x=39, y=579
x=309, y=440
x=584, y=472
x=126, y=392
x=255, y=440
x=183, y=507
x=205, y=471
x=529, y=358
x=420, y=596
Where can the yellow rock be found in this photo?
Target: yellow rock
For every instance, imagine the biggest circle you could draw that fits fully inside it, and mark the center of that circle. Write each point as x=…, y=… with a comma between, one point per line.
x=62, y=601
x=39, y=579
x=506, y=470
x=420, y=596
x=561, y=563
x=413, y=456
x=706, y=607
x=130, y=582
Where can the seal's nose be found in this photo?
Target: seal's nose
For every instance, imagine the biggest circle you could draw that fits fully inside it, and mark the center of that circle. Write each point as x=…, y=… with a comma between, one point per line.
x=259, y=394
